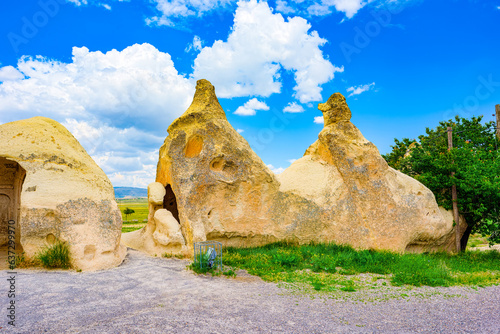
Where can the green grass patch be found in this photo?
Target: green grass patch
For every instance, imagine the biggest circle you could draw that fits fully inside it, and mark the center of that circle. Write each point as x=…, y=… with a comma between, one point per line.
x=139, y=205
x=55, y=256
x=139, y=218
x=171, y=255
x=22, y=261
x=214, y=271
x=477, y=240
x=328, y=267
x=126, y=229
x=229, y=273
x=51, y=257
x=134, y=223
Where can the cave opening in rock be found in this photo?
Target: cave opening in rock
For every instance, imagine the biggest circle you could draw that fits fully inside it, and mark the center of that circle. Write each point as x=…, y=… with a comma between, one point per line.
x=170, y=202
x=11, y=180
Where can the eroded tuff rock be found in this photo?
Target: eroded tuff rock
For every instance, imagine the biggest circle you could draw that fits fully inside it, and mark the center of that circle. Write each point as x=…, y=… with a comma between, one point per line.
x=55, y=191
x=162, y=234
x=341, y=190
x=375, y=206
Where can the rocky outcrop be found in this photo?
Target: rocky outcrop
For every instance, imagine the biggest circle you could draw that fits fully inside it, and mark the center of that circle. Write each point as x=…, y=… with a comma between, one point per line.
x=58, y=193
x=162, y=234
x=341, y=190
x=376, y=206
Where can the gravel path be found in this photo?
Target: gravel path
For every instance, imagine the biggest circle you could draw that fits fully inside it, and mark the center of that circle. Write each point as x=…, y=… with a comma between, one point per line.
x=157, y=295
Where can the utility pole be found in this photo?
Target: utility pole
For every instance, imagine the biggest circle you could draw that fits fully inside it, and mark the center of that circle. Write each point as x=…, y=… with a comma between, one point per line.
x=497, y=111
x=454, y=195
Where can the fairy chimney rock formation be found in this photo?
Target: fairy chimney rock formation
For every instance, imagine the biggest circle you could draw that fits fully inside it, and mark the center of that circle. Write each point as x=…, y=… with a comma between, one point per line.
x=58, y=193
x=340, y=191
x=162, y=234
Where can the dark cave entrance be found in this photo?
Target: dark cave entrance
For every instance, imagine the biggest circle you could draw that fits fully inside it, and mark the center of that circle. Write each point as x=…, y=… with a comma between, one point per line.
x=170, y=202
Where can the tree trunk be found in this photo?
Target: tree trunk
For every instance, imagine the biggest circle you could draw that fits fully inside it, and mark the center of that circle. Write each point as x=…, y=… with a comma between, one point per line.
x=497, y=112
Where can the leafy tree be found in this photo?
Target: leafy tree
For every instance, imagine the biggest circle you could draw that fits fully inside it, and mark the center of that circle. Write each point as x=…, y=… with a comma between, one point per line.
x=127, y=212
x=400, y=151
x=475, y=159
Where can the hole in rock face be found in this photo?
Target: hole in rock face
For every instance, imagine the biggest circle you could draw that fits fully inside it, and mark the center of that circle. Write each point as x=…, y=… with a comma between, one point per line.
x=170, y=202
x=89, y=252
x=222, y=165
x=217, y=164
x=193, y=146
x=51, y=239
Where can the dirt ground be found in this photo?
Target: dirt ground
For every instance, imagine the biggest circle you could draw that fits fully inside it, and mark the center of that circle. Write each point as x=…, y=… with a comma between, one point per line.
x=158, y=295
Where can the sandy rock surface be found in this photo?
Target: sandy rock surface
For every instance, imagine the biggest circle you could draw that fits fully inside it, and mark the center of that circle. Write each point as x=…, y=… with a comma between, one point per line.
x=162, y=234
x=158, y=295
x=65, y=195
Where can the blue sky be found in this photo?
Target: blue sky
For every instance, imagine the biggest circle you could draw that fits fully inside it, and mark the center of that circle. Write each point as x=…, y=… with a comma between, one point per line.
x=116, y=73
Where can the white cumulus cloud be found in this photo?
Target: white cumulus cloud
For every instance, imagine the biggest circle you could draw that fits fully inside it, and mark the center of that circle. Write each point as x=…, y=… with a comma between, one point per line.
x=293, y=107
x=275, y=170
x=138, y=86
x=118, y=104
x=128, y=156
x=172, y=11
x=319, y=120
x=139, y=178
x=325, y=7
x=260, y=45
x=250, y=107
x=9, y=73
x=176, y=13
x=356, y=90
x=320, y=8
x=283, y=6
x=196, y=45
x=78, y=2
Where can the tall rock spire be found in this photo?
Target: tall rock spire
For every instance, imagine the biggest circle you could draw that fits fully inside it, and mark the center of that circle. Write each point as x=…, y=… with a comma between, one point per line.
x=335, y=109
x=205, y=106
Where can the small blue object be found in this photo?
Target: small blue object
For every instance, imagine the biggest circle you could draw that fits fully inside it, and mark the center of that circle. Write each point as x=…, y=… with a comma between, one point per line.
x=208, y=254
x=211, y=255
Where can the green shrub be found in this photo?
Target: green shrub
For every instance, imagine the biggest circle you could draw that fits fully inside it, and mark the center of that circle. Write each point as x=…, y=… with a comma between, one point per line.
x=55, y=256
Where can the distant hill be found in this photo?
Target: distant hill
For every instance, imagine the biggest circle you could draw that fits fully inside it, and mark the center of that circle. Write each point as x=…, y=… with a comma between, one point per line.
x=130, y=192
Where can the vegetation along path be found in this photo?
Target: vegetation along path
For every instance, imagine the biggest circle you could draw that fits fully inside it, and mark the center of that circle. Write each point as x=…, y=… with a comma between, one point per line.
x=158, y=295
